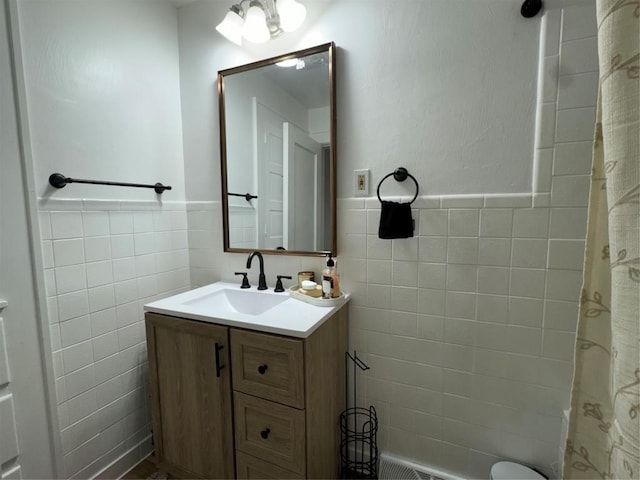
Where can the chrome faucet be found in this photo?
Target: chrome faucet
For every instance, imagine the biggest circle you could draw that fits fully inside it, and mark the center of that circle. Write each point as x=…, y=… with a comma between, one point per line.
x=262, y=282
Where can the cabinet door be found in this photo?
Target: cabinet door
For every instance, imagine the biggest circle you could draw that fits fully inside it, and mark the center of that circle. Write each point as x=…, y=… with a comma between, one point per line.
x=191, y=396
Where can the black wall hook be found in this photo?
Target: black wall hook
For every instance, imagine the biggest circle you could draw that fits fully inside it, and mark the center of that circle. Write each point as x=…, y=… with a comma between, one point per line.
x=400, y=174
x=530, y=8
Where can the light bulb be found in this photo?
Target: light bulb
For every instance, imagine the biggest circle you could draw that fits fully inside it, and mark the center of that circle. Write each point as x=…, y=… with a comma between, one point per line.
x=231, y=26
x=255, y=24
x=292, y=14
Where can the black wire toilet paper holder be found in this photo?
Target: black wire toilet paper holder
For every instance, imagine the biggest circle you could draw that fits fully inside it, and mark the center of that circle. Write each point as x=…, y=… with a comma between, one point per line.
x=358, y=430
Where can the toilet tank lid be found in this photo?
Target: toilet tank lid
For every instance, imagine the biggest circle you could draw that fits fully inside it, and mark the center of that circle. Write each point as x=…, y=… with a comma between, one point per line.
x=513, y=471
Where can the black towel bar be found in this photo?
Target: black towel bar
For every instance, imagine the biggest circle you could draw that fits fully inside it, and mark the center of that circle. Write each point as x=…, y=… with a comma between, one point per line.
x=247, y=196
x=58, y=180
x=400, y=174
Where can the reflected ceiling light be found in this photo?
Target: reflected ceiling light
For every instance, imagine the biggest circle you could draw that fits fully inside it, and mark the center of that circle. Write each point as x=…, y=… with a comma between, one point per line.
x=293, y=62
x=288, y=63
x=262, y=20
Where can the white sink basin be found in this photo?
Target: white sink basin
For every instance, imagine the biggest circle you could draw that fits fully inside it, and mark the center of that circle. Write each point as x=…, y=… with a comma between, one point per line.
x=250, y=302
x=264, y=310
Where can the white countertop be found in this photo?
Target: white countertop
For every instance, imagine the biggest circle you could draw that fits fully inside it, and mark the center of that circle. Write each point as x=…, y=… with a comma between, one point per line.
x=292, y=317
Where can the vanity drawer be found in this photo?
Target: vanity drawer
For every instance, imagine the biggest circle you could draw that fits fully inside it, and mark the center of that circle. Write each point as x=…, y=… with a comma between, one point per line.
x=268, y=366
x=270, y=431
x=252, y=468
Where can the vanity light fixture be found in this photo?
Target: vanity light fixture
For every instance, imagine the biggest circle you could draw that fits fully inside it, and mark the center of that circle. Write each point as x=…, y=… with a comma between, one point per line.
x=262, y=20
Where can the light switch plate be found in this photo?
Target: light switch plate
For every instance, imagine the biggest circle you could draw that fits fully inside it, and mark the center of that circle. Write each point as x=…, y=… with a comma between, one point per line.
x=361, y=182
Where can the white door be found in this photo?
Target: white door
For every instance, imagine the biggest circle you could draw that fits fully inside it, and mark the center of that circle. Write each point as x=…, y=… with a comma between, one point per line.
x=25, y=441
x=270, y=177
x=302, y=179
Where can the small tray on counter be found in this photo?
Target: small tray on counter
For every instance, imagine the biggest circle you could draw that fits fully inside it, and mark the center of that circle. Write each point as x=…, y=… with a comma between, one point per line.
x=295, y=292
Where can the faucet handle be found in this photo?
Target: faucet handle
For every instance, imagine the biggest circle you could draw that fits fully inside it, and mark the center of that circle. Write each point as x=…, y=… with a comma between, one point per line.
x=279, y=287
x=245, y=280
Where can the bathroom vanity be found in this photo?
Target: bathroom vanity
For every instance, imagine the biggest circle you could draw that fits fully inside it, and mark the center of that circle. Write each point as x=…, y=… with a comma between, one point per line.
x=242, y=394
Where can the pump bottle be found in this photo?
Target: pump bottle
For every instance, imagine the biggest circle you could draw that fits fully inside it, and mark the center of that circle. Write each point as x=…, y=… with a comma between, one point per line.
x=330, y=280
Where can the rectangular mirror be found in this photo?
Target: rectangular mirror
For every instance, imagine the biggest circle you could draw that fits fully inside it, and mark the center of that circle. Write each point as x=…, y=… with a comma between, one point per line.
x=278, y=147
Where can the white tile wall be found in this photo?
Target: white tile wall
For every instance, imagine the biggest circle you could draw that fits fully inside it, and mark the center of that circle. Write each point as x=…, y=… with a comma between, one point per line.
x=242, y=226
x=464, y=334
x=572, y=158
x=576, y=56
x=468, y=327
x=101, y=267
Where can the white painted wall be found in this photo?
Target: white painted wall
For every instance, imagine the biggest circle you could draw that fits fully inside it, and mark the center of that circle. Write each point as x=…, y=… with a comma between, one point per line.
x=103, y=102
x=469, y=326
x=445, y=88
x=319, y=122
x=102, y=95
x=239, y=92
x=456, y=102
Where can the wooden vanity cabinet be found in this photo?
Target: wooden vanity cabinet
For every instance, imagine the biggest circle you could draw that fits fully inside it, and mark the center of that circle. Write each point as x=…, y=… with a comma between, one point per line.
x=273, y=411
x=191, y=405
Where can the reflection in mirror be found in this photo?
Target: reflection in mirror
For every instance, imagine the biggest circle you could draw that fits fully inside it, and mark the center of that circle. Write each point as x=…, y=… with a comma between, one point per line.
x=277, y=135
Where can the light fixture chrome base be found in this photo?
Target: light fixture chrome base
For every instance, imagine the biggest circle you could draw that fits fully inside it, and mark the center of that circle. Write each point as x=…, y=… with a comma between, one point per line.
x=273, y=24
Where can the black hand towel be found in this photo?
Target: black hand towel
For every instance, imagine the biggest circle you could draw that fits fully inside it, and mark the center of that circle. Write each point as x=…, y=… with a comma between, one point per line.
x=395, y=220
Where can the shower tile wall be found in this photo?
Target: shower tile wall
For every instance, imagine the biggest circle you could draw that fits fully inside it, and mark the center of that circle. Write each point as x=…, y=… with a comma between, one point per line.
x=242, y=226
x=103, y=262
x=209, y=264
x=468, y=327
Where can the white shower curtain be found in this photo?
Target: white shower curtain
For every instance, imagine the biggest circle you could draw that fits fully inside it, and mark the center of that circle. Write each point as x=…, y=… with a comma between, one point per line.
x=604, y=425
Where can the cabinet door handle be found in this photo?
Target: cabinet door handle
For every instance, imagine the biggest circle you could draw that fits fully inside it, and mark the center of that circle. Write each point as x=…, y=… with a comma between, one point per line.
x=265, y=433
x=262, y=369
x=218, y=366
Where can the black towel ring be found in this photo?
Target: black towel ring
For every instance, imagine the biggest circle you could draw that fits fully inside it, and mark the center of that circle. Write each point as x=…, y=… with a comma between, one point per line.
x=400, y=175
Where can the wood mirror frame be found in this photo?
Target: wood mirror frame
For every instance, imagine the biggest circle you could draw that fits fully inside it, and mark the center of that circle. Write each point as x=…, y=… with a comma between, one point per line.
x=330, y=241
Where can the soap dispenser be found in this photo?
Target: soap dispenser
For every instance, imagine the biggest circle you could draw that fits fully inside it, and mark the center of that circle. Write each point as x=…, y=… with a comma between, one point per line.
x=330, y=280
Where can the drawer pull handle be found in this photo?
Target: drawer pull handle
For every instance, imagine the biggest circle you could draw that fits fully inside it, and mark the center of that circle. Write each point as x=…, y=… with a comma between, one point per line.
x=218, y=366
x=262, y=369
x=265, y=433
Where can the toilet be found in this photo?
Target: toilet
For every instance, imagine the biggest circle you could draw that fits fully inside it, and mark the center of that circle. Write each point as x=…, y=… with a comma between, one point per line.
x=513, y=471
